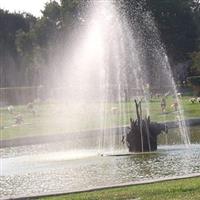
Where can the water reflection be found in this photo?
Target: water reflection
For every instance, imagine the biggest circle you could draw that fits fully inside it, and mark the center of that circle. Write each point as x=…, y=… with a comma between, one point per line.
x=173, y=136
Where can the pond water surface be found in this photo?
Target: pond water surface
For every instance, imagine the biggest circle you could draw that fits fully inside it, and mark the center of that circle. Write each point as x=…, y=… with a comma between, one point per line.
x=51, y=168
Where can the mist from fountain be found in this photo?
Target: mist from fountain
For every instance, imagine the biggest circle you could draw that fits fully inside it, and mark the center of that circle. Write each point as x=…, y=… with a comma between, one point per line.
x=109, y=66
x=159, y=60
x=166, y=76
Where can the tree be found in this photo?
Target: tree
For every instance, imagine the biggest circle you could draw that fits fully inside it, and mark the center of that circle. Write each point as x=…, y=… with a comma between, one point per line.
x=52, y=11
x=70, y=12
x=10, y=24
x=177, y=26
x=195, y=68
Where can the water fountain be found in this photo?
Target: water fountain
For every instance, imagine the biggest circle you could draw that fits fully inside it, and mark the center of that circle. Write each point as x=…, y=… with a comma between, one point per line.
x=108, y=66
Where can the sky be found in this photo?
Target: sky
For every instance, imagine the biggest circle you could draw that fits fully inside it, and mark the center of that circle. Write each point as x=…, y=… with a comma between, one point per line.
x=32, y=6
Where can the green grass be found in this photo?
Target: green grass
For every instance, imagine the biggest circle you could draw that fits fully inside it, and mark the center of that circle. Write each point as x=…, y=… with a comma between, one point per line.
x=184, y=189
x=56, y=118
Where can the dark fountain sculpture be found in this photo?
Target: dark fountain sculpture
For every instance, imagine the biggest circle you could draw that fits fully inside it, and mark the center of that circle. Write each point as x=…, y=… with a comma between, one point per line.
x=142, y=136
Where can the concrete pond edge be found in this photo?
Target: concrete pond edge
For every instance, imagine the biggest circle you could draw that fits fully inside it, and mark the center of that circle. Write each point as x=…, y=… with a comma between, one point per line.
x=95, y=189
x=42, y=139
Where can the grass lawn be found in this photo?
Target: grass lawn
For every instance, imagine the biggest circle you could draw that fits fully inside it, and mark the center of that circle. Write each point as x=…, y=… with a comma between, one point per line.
x=56, y=118
x=184, y=189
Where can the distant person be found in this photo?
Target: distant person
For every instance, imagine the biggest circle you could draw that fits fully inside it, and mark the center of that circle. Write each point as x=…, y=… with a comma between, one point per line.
x=18, y=119
x=163, y=104
x=123, y=139
x=175, y=106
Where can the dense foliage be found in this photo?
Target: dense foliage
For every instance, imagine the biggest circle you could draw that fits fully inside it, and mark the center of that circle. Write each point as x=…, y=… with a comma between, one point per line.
x=29, y=44
x=195, y=80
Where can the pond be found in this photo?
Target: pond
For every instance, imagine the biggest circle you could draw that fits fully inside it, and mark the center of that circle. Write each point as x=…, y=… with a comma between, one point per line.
x=54, y=168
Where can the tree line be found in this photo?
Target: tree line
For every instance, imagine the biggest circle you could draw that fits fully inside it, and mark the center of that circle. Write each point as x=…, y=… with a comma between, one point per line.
x=28, y=45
